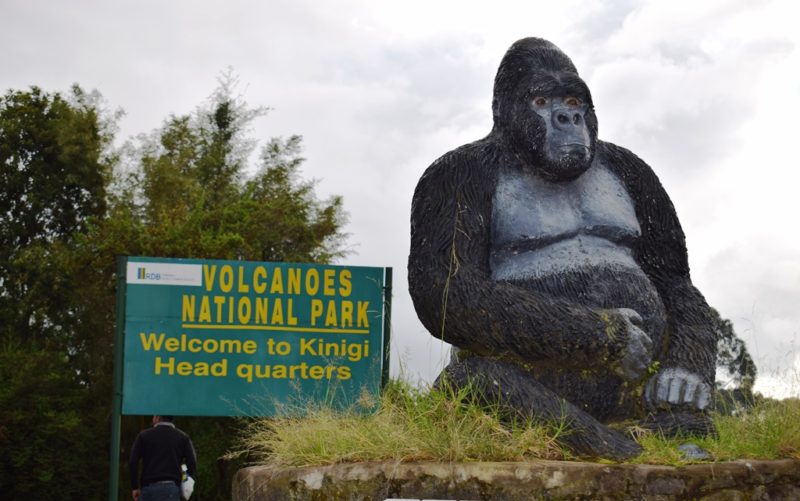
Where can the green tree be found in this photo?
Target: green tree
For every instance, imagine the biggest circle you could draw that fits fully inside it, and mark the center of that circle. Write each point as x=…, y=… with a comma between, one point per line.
x=193, y=193
x=736, y=371
x=187, y=190
x=735, y=367
x=54, y=171
x=47, y=434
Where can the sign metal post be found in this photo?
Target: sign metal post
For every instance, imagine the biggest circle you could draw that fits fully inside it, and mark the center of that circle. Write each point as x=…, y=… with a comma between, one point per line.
x=116, y=396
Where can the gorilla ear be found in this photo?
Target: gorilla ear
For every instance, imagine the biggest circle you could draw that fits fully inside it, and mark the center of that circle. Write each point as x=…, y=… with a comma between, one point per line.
x=495, y=108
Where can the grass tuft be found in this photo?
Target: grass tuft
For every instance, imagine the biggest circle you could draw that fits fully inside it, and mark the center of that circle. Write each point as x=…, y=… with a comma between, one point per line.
x=412, y=424
x=409, y=425
x=768, y=430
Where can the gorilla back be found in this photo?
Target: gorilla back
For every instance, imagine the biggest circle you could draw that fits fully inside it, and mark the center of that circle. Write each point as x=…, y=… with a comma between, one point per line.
x=556, y=264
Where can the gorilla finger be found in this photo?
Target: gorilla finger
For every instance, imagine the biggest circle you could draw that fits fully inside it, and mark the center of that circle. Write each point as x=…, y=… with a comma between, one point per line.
x=704, y=396
x=639, y=341
x=639, y=351
x=648, y=343
x=662, y=388
x=676, y=385
x=689, y=395
x=631, y=315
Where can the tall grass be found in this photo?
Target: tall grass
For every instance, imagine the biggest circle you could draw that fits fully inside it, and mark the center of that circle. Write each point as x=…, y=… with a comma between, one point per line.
x=768, y=430
x=412, y=424
x=409, y=425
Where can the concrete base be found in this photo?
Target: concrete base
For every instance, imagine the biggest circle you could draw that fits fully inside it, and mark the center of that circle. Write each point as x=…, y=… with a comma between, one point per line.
x=551, y=480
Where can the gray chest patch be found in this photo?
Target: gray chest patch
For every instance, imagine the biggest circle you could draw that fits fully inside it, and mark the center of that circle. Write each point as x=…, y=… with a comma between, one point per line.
x=540, y=227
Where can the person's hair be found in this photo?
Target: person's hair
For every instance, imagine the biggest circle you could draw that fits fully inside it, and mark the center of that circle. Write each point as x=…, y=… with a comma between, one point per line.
x=167, y=418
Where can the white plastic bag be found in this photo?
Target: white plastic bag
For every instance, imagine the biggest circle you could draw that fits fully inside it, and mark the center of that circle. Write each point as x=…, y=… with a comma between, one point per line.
x=187, y=484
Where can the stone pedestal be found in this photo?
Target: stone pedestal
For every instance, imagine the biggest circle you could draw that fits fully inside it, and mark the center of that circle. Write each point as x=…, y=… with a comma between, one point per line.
x=551, y=480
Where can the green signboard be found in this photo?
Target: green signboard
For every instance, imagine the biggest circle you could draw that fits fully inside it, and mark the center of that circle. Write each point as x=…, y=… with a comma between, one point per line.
x=236, y=338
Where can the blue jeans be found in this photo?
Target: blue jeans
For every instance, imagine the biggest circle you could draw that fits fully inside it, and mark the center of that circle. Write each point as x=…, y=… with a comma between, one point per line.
x=167, y=491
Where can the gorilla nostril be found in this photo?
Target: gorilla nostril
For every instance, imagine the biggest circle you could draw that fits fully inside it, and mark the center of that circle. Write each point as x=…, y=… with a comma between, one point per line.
x=562, y=119
x=576, y=119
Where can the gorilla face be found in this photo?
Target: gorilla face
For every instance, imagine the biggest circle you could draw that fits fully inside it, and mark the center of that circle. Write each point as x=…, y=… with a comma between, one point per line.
x=544, y=110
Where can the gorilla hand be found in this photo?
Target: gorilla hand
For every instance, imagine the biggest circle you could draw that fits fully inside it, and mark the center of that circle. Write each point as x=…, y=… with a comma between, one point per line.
x=638, y=352
x=677, y=386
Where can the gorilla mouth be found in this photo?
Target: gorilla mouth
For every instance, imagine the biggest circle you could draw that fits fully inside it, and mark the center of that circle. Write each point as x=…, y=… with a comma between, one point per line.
x=574, y=149
x=580, y=147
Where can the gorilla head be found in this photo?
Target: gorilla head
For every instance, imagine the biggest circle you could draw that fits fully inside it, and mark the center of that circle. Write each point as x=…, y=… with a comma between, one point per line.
x=543, y=110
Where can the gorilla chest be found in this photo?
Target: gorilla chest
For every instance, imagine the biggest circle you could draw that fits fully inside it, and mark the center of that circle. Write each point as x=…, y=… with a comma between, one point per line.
x=541, y=227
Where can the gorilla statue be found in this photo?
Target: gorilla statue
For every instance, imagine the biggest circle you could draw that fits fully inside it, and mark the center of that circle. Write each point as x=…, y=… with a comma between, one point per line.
x=556, y=264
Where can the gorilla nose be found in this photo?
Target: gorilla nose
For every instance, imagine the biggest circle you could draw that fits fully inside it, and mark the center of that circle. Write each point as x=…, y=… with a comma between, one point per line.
x=565, y=118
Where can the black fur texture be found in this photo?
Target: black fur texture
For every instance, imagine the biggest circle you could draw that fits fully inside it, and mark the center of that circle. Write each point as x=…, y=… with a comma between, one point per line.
x=557, y=347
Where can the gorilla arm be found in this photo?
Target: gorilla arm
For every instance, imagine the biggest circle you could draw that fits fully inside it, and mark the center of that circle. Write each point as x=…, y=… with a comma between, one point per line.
x=449, y=272
x=688, y=348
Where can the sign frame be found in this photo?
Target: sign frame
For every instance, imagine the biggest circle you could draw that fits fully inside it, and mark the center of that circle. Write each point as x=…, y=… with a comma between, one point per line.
x=136, y=278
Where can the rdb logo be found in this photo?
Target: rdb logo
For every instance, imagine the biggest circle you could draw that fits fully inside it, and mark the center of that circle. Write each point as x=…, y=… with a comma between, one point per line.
x=143, y=275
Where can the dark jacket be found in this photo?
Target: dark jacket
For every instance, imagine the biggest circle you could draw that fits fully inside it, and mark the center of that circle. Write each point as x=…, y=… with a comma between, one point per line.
x=162, y=449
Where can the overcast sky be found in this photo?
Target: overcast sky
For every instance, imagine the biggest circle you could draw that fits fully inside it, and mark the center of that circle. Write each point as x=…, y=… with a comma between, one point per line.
x=707, y=93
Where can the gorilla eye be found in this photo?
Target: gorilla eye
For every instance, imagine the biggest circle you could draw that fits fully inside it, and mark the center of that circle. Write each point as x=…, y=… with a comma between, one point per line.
x=539, y=101
x=572, y=101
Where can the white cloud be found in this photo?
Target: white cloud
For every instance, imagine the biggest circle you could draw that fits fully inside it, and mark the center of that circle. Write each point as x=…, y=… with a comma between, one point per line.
x=783, y=382
x=705, y=92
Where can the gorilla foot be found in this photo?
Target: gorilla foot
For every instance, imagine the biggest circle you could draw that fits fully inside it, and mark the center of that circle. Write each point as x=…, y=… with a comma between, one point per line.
x=598, y=440
x=680, y=423
x=519, y=395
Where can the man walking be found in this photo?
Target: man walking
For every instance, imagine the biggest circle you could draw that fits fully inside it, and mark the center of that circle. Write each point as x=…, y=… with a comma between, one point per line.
x=162, y=449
